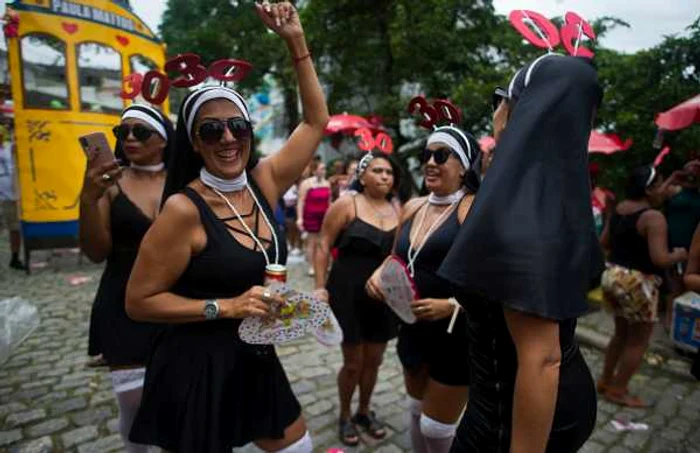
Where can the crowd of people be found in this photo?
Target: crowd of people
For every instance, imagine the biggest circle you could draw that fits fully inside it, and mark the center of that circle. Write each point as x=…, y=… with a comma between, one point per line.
x=503, y=248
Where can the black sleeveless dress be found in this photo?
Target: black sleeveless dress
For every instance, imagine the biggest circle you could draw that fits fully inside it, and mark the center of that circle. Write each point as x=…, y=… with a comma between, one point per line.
x=427, y=342
x=486, y=425
x=362, y=248
x=120, y=340
x=207, y=391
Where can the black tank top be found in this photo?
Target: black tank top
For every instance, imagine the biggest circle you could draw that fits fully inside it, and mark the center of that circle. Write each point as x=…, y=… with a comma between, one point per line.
x=628, y=248
x=117, y=337
x=225, y=268
x=431, y=255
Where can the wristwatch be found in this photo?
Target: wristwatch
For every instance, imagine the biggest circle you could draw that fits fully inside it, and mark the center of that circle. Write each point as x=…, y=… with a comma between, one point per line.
x=211, y=309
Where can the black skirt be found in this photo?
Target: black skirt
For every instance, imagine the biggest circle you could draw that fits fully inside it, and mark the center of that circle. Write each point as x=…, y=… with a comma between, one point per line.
x=207, y=391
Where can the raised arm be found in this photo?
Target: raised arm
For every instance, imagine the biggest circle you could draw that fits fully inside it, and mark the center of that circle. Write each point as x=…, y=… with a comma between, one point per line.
x=163, y=256
x=537, y=380
x=282, y=169
x=95, y=235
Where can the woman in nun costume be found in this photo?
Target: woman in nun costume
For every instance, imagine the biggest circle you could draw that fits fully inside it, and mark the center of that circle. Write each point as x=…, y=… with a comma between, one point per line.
x=521, y=266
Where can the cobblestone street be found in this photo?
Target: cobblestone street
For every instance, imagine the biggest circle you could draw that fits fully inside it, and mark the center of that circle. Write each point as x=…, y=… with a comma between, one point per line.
x=50, y=402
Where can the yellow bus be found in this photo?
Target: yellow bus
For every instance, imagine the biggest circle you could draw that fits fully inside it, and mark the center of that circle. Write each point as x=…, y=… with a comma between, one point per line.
x=67, y=64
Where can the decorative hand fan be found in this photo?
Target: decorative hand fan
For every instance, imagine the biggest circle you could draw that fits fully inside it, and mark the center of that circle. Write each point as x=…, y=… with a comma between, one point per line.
x=301, y=314
x=330, y=332
x=398, y=288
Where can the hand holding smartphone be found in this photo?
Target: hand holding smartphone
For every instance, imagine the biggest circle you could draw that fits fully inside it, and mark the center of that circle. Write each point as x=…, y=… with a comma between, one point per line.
x=102, y=170
x=96, y=149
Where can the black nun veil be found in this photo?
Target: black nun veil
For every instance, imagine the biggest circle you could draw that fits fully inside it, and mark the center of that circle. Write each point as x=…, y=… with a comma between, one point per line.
x=529, y=241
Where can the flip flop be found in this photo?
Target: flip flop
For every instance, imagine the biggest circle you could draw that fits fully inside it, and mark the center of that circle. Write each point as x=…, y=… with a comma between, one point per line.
x=625, y=399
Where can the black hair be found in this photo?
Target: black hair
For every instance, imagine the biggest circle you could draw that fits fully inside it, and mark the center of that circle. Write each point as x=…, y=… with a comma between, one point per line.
x=357, y=186
x=472, y=177
x=119, y=153
x=185, y=163
x=638, y=182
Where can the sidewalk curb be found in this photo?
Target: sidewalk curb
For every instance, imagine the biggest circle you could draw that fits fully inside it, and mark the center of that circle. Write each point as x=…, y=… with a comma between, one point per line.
x=672, y=363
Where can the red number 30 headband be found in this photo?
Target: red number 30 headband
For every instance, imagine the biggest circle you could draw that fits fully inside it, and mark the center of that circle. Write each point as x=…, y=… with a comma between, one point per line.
x=154, y=85
x=440, y=111
x=541, y=32
x=368, y=142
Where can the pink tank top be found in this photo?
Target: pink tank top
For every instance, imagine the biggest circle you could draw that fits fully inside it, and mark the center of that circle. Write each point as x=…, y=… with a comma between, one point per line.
x=315, y=206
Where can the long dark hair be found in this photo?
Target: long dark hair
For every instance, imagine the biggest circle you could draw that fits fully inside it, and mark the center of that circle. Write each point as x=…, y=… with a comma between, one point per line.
x=186, y=163
x=169, y=139
x=357, y=186
x=472, y=178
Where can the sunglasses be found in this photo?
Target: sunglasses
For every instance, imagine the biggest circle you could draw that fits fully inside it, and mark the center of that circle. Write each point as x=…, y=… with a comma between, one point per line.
x=499, y=95
x=211, y=131
x=140, y=132
x=440, y=155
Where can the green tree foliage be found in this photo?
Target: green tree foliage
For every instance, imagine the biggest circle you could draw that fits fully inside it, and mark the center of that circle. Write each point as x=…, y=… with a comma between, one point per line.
x=637, y=87
x=216, y=29
x=373, y=55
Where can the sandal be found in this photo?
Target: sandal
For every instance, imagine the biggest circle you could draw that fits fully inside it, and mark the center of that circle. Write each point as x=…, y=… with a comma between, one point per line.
x=602, y=386
x=623, y=398
x=369, y=423
x=347, y=433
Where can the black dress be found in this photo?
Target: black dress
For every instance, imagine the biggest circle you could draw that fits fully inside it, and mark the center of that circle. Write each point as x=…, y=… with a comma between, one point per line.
x=362, y=248
x=529, y=245
x=206, y=390
x=427, y=342
x=120, y=340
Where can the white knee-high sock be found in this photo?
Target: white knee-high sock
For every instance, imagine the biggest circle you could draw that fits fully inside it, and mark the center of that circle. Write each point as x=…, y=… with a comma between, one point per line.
x=129, y=402
x=438, y=436
x=128, y=387
x=417, y=439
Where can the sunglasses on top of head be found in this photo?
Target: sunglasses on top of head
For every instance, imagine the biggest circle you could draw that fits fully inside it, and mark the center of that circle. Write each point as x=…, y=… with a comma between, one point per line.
x=140, y=132
x=440, y=155
x=211, y=130
x=499, y=95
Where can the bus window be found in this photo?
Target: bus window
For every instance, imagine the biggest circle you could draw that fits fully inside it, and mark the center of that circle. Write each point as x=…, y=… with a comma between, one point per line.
x=141, y=64
x=100, y=76
x=44, y=72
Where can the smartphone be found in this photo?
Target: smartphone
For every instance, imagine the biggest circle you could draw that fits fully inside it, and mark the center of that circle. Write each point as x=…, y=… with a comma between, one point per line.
x=95, y=146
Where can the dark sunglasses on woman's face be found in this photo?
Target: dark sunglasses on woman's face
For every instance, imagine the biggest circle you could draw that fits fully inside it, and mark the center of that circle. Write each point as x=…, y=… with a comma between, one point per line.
x=499, y=95
x=440, y=155
x=140, y=132
x=211, y=131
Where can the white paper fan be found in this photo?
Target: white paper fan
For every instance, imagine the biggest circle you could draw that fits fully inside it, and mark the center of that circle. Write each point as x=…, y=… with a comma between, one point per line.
x=330, y=333
x=299, y=316
x=398, y=288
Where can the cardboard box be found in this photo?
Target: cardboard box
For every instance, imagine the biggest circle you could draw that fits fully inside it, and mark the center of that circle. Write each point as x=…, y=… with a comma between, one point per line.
x=685, y=324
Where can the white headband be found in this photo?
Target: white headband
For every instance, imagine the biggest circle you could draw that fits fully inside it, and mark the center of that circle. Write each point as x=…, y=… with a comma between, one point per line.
x=148, y=119
x=209, y=94
x=652, y=175
x=363, y=164
x=441, y=136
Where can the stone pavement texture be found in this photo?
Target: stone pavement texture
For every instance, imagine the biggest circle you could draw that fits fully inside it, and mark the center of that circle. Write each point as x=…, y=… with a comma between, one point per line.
x=50, y=402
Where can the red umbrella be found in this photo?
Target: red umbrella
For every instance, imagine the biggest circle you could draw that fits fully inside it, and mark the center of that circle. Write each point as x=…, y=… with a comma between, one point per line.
x=487, y=143
x=347, y=124
x=607, y=143
x=680, y=116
